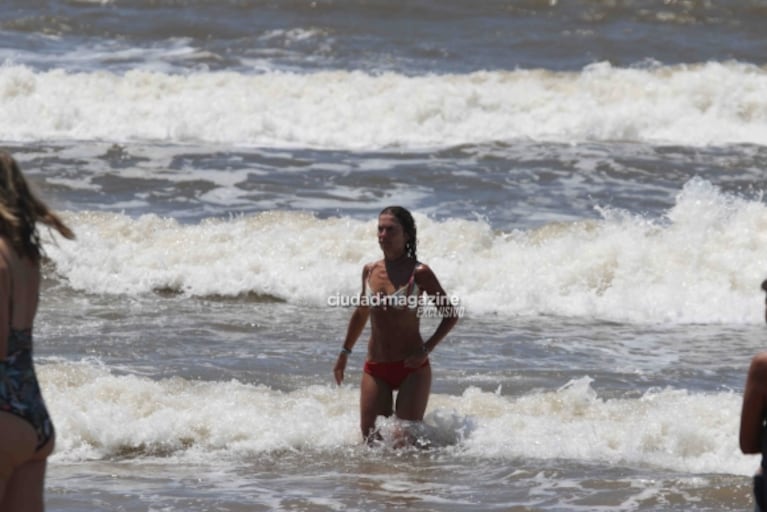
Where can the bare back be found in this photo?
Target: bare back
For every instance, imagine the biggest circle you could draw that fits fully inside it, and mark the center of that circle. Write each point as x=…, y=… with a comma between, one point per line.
x=19, y=293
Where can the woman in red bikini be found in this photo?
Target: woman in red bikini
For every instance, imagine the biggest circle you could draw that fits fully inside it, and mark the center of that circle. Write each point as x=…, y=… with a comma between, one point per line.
x=397, y=356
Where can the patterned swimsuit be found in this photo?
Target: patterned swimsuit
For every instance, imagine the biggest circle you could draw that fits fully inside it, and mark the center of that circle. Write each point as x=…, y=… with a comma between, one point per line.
x=19, y=389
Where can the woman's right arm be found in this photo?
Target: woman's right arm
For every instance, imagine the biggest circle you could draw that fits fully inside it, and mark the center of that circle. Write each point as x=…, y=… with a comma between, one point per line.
x=356, y=325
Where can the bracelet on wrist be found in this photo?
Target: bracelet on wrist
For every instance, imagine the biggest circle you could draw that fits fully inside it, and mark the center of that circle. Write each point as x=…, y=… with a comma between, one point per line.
x=346, y=351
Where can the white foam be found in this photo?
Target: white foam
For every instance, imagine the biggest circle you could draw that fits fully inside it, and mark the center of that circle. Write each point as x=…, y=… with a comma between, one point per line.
x=711, y=103
x=702, y=262
x=100, y=414
x=672, y=429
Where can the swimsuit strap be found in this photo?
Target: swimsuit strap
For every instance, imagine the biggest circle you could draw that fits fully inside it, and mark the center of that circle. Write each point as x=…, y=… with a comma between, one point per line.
x=18, y=339
x=410, y=282
x=366, y=288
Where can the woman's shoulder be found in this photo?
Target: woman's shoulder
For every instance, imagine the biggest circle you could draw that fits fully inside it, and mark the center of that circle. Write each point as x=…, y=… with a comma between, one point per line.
x=422, y=268
x=759, y=361
x=426, y=279
x=368, y=267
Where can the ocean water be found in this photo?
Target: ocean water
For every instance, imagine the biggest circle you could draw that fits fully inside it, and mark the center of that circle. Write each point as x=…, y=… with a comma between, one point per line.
x=587, y=178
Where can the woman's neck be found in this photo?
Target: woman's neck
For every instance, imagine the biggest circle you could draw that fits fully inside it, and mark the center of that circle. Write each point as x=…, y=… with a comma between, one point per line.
x=396, y=259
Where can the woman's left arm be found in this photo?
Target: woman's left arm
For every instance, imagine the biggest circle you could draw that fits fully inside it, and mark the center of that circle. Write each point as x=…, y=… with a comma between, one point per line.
x=429, y=283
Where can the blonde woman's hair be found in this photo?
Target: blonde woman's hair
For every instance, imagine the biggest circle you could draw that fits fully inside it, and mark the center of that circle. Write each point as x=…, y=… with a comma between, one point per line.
x=21, y=210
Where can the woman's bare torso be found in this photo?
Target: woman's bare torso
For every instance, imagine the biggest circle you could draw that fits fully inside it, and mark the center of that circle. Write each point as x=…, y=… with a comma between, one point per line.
x=395, y=331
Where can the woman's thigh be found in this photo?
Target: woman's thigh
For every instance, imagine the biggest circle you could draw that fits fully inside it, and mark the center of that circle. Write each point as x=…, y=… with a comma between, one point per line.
x=25, y=489
x=375, y=400
x=413, y=395
x=17, y=446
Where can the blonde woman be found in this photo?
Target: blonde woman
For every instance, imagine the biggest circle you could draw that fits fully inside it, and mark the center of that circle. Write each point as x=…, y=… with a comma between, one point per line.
x=26, y=431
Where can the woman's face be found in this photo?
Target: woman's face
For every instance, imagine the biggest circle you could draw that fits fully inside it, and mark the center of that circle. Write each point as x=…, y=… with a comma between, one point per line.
x=391, y=236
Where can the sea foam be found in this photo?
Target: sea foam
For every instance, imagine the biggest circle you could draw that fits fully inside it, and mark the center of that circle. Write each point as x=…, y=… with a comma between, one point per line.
x=702, y=261
x=703, y=104
x=100, y=414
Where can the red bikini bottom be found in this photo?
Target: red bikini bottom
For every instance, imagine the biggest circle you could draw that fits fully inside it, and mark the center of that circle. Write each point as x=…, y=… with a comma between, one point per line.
x=391, y=372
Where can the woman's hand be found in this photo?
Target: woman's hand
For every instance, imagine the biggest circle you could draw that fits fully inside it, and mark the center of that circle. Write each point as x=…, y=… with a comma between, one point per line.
x=417, y=359
x=338, y=369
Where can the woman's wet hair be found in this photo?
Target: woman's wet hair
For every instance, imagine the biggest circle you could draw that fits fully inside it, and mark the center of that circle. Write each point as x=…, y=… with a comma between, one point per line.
x=21, y=210
x=405, y=218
